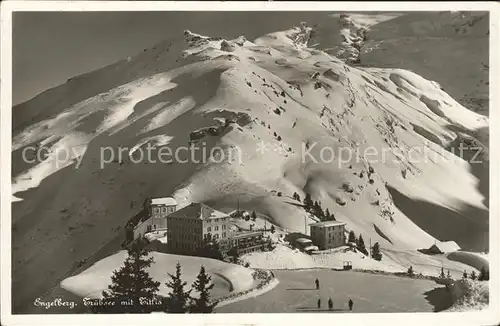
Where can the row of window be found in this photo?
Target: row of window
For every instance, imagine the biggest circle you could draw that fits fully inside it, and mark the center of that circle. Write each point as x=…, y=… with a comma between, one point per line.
x=185, y=229
x=217, y=220
x=216, y=228
x=190, y=221
x=185, y=236
x=164, y=209
x=184, y=246
x=247, y=250
x=216, y=235
x=325, y=228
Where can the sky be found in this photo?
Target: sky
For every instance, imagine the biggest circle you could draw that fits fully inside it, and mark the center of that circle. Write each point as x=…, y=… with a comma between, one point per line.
x=50, y=47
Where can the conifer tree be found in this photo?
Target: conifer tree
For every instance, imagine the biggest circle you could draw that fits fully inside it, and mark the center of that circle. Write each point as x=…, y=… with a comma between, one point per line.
x=448, y=274
x=202, y=285
x=464, y=275
x=296, y=196
x=132, y=281
x=483, y=275
x=233, y=252
x=308, y=203
x=377, y=255
x=361, y=245
x=473, y=275
x=327, y=215
x=410, y=271
x=209, y=248
x=254, y=216
x=441, y=275
x=178, y=299
x=318, y=211
x=272, y=229
x=352, y=237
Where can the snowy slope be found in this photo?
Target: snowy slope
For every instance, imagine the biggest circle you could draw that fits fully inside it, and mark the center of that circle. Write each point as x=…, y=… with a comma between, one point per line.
x=249, y=90
x=225, y=277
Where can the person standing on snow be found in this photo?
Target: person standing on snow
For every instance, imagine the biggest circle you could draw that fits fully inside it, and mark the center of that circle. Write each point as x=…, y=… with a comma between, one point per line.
x=350, y=304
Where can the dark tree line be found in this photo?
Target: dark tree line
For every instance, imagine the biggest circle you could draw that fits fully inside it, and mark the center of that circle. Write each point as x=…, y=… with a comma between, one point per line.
x=360, y=244
x=209, y=249
x=314, y=207
x=134, y=291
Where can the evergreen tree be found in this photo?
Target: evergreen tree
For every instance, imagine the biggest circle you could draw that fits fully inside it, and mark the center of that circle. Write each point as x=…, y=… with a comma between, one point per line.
x=233, y=252
x=202, y=285
x=132, y=281
x=272, y=229
x=254, y=216
x=448, y=274
x=296, y=196
x=473, y=275
x=269, y=244
x=410, y=271
x=361, y=245
x=483, y=275
x=318, y=211
x=352, y=237
x=327, y=215
x=308, y=203
x=209, y=249
x=441, y=275
x=377, y=255
x=464, y=275
x=178, y=298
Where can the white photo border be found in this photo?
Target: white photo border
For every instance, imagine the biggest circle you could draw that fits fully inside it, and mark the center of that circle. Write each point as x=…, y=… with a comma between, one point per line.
x=489, y=316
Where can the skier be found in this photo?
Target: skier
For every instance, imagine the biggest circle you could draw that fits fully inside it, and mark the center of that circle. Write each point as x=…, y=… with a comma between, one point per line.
x=317, y=284
x=319, y=303
x=350, y=304
x=330, y=304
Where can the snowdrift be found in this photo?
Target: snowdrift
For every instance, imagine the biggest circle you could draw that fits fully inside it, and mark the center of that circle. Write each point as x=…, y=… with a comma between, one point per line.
x=226, y=277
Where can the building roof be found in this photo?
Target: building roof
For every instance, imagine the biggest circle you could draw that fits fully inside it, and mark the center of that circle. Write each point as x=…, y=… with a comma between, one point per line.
x=246, y=234
x=197, y=211
x=169, y=201
x=311, y=248
x=327, y=224
x=446, y=246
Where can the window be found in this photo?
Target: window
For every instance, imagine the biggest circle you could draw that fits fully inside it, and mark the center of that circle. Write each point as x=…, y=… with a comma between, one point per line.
x=216, y=228
x=216, y=236
x=223, y=234
x=209, y=229
x=223, y=226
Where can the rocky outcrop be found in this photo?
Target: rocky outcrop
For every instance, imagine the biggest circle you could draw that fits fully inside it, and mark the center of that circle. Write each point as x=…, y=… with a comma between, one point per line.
x=194, y=39
x=353, y=35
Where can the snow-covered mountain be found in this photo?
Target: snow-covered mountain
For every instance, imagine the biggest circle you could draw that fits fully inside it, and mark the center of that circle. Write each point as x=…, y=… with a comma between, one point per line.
x=273, y=98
